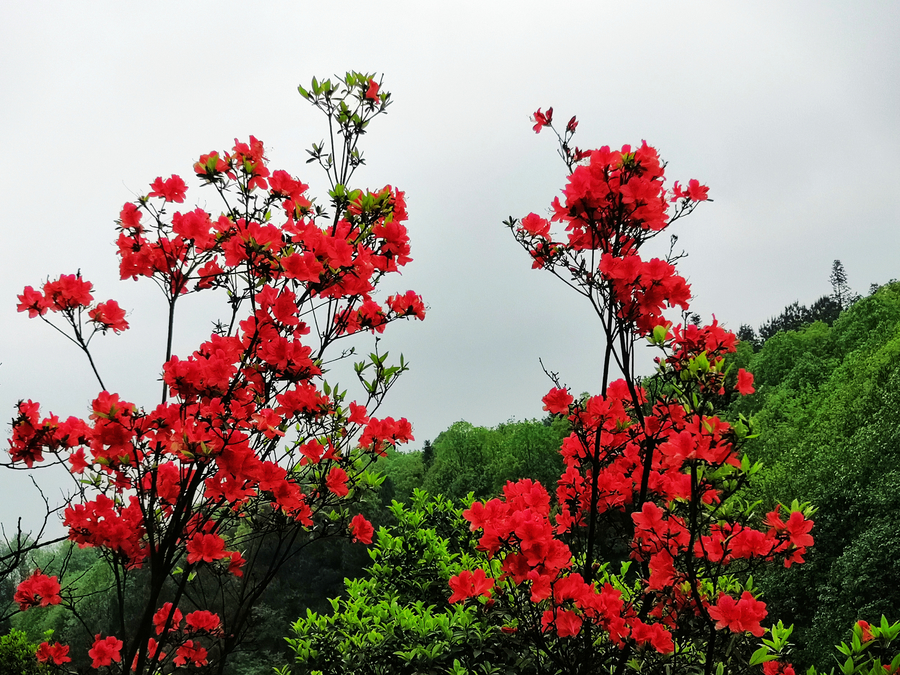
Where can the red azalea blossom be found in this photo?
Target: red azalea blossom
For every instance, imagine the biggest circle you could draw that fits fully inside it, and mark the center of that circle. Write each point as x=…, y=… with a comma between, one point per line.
x=745, y=382
x=469, y=585
x=33, y=302
x=357, y=414
x=361, y=530
x=105, y=651
x=70, y=291
x=542, y=120
x=162, y=617
x=372, y=91
x=202, y=621
x=108, y=315
x=409, y=304
x=557, y=401
x=172, y=189
x=777, y=668
x=38, y=589
x=866, y=630
x=567, y=622
x=739, y=616
x=211, y=164
x=206, y=548
x=337, y=481
x=536, y=226
x=189, y=652
x=697, y=192
x=235, y=563
x=56, y=653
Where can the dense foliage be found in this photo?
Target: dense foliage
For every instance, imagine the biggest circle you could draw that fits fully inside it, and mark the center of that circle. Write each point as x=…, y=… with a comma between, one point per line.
x=826, y=407
x=468, y=459
x=398, y=620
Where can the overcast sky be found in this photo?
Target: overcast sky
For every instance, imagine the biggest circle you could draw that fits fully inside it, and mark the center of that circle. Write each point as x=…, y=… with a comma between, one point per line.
x=789, y=111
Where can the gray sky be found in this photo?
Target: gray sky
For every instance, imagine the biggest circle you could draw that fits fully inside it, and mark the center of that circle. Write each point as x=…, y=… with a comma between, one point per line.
x=789, y=111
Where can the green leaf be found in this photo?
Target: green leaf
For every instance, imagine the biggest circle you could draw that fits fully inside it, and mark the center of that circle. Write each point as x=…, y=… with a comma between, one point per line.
x=760, y=656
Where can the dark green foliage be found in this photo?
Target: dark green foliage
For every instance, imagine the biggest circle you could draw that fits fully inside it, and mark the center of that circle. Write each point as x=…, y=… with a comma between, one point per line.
x=481, y=460
x=466, y=458
x=427, y=454
x=403, y=472
x=398, y=620
x=795, y=316
x=827, y=409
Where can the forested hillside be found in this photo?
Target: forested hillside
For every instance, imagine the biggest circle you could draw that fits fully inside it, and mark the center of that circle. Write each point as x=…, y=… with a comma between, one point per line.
x=826, y=409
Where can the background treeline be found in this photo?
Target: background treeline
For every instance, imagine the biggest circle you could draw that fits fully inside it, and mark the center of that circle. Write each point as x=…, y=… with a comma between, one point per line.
x=828, y=411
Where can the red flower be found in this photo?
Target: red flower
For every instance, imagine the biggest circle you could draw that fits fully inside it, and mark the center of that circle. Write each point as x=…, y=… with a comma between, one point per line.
x=189, y=652
x=357, y=414
x=78, y=462
x=202, y=620
x=56, y=652
x=33, y=302
x=234, y=565
x=697, y=192
x=68, y=292
x=130, y=217
x=777, y=668
x=542, y=120
x=469, y=585
x=658, y=637
x=568, y=623
x=109, y=315
x=205, y=547
x=268, y=421
x=38, y=589
x=337, y=481
x=866, y=630
x=172, y=189
x=372, y=91
x=409, y=304
x=557, y=401
x=105, y=651
x=210, y=165
x=536, y=226
x=740, y=616
x=361, y=529
x=162, y=616
x=745, y=382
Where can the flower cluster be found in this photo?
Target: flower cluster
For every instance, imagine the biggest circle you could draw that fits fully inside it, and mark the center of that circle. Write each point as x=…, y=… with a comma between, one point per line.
x=37, y=590
x=70, y=295
x=613, y=203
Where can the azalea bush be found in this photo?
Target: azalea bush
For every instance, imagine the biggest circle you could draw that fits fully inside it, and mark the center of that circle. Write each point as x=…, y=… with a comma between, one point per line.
x=250, y=454
x=644, y=559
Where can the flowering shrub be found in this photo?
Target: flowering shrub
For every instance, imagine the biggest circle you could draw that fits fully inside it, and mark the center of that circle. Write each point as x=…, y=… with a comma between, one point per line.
x=652, y=472
x=251, y=454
